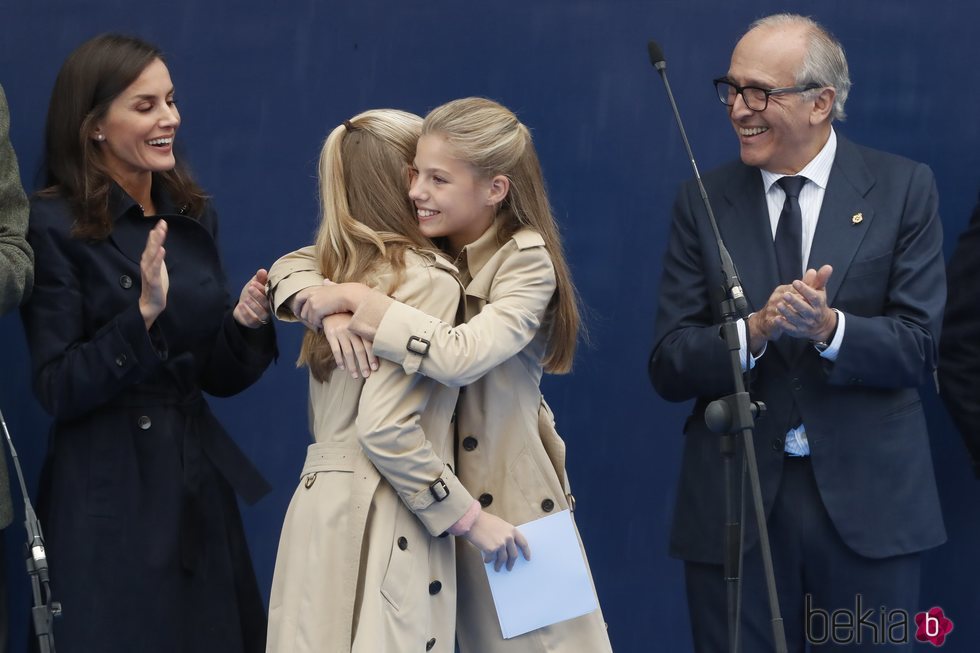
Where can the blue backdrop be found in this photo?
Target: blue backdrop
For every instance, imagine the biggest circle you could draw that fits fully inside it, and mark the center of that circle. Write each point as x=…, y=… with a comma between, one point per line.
x=260, y=84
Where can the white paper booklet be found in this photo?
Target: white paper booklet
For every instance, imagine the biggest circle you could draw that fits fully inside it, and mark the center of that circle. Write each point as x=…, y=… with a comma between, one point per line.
x=552, y=587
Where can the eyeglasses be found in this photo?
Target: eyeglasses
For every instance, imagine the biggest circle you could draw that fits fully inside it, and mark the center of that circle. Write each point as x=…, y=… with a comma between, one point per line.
x=755, y=98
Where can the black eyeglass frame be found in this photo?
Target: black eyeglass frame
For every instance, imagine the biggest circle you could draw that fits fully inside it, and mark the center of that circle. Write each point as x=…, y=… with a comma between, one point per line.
x=740, y=90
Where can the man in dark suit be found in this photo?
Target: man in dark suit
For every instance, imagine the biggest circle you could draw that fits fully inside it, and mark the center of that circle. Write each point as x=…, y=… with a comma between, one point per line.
x=842, y=268
x=959, y=351
x=16, y=277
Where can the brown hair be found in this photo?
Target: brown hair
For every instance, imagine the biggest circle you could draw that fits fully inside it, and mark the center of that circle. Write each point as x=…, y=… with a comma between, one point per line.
x=490, y=138
x=94, y=75
x=366, y=216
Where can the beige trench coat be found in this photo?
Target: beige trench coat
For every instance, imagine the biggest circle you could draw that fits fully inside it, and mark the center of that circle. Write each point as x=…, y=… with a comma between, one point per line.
x=361, y=566
x=509, y=454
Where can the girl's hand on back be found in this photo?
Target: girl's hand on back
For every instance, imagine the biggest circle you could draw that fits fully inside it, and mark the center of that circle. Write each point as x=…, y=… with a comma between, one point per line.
x=351, y=352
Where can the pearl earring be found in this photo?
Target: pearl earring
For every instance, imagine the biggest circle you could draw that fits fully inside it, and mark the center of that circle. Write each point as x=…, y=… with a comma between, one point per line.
x=100, y=137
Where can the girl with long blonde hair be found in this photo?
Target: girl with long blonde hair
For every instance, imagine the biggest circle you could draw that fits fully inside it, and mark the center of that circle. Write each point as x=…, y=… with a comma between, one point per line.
x=361, y=565
x=479, y=192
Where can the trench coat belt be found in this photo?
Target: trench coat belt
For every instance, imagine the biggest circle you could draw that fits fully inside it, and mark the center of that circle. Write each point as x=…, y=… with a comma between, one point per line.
x=202, y=435
x=211, y=440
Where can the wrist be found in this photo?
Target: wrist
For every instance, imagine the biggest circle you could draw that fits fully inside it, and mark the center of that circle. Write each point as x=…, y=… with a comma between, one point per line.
x=826, y=335
x=353, y=294
x=464, y=524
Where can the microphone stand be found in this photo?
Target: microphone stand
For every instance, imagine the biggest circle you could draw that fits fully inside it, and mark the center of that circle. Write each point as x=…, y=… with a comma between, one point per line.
x=44, y=610
x=732, y=414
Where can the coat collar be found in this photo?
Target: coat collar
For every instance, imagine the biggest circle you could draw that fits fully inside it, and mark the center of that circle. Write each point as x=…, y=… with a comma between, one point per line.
x=130, y=227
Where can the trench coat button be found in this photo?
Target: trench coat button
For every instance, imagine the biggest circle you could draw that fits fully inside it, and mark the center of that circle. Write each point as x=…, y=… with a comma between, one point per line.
x=126, y=281
x=777, y=444
x=486, y=499
x=429, y=644
x=547, y=505
x=444, y=534
x=797, y=384
x=402, y=543
x=310, y=480
x=435, y=587
x=470, y=443
x=144, y=422
x=121, y=360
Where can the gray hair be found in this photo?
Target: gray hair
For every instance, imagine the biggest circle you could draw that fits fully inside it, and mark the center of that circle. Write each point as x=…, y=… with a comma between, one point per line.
x=823, y=63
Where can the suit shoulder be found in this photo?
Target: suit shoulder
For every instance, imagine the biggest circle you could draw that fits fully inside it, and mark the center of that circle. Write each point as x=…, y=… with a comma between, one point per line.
x=720, y=177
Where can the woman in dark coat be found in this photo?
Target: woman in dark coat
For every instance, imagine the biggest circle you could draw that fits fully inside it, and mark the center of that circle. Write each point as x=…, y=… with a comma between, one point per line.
x=129, y=323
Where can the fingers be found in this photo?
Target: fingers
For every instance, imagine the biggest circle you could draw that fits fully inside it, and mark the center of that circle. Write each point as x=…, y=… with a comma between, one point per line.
x=823, y=276
x=511, y=554
x=523, y=545
x=369, y=353
x=253, y=309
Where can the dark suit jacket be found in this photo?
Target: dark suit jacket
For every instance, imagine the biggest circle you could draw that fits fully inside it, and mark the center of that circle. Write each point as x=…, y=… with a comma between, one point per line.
x=959, y=351
x=880, y=231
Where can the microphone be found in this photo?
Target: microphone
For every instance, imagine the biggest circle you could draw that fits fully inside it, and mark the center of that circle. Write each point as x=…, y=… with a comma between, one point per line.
x=731, y=281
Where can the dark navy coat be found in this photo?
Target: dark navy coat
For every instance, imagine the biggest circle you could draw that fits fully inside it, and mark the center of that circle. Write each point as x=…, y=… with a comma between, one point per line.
x=144, y=536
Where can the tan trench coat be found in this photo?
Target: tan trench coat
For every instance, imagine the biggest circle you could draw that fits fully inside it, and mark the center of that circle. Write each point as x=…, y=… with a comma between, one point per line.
x=508, y=453
x=361, y=566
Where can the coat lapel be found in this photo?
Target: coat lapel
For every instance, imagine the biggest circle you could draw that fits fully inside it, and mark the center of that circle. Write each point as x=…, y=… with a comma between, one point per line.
x=748, y=235
x=845, y=215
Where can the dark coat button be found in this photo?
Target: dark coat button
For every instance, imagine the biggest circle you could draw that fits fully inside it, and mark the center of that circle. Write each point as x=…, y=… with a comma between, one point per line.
x=435, y=587
x=402, y=543
x=777, y=444
x=444, y=534
x=429, y=644
x=486, y=499
x=470, y=443
x=797, y=384
x=126, y=281
x=547, y=505
x=121, y=360
x=144, y=422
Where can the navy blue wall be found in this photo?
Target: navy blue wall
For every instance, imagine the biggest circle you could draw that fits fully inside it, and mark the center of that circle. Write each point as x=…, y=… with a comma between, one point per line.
x=259, y=85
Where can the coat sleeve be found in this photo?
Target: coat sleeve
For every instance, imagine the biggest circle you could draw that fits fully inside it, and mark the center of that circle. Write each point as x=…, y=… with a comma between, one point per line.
x=75, y=372
x=900, y=347
x=959, y=349
x=290, y=274
x=388, y=417
x=240, y=355
x=689, y=357
x=16, y=257
x=459, y=355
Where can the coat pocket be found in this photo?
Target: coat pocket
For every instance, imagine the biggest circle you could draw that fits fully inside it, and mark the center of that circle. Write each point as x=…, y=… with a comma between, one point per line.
x=409, y=553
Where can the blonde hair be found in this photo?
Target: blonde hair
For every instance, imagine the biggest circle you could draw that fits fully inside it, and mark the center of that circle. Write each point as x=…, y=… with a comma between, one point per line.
x=493, y=141
x=366, y=217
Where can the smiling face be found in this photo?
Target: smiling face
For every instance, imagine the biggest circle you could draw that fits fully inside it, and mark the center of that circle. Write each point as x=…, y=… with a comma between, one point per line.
x=136, y=135
x=794, y=127
x=451, y=199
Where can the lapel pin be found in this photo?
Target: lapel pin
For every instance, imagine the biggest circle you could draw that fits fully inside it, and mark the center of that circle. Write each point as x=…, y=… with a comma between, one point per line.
x=857, y=218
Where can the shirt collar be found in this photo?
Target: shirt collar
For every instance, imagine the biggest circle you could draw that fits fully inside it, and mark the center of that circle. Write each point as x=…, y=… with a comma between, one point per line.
x=817, y=170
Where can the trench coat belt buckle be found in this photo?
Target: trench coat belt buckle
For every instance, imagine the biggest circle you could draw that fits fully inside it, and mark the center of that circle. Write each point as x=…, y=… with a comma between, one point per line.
x=439, y=490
